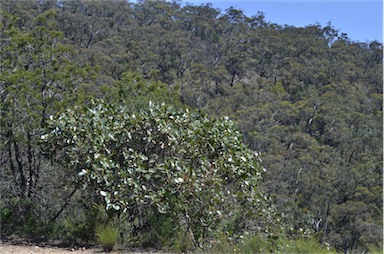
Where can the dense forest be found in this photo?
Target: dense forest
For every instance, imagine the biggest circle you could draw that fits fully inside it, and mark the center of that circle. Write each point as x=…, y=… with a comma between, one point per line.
x=276, y=129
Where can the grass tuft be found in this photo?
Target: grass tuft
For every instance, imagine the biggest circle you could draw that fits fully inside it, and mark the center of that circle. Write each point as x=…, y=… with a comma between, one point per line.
x=107, y=236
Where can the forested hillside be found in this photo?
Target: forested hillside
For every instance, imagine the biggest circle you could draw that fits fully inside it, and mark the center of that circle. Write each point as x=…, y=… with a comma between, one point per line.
x=307, y=101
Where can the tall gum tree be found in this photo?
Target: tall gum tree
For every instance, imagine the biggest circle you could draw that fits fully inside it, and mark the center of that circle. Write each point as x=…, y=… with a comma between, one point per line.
x=37, y=78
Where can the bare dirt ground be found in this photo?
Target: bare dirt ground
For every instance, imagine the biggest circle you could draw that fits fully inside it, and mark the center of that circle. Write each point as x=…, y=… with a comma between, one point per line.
x=24, y=247
x=7, y=248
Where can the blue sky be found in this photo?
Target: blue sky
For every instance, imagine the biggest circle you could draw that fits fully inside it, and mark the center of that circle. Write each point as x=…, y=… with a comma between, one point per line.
x=361, y=20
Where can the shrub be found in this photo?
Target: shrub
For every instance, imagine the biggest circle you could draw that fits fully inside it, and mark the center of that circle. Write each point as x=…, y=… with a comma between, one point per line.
x=256, y=244
x=182, y=242
x=194, y=171
x=304, y=246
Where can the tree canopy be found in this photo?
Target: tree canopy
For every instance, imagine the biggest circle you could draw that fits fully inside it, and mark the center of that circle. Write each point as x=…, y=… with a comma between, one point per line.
x=308, y=99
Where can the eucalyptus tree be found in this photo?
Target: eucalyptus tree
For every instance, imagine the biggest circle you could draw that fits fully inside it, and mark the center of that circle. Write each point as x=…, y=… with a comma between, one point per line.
x=37, y=78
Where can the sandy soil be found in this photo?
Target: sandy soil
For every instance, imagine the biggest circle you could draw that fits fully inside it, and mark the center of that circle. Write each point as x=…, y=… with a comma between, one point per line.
x=6, y=248
x=20, y=247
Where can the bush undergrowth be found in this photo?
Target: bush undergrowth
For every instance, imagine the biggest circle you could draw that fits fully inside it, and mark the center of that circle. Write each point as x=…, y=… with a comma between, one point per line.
x=107, y=236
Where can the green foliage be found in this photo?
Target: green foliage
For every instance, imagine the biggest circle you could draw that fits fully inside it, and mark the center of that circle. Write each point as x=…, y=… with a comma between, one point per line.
x=162, y=233
x=14, y=219
x=182, y=242
x=309, y=99
x=37, y=78
x=139, y=91
x=78, y=224
x=195, y=170
x=304, y=245
x=107, y=236
x=256, y=245
x=79, y=228
x=222, y=244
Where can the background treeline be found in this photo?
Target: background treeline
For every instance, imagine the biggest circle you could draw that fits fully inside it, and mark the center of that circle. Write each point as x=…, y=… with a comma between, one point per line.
x=308, y=99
